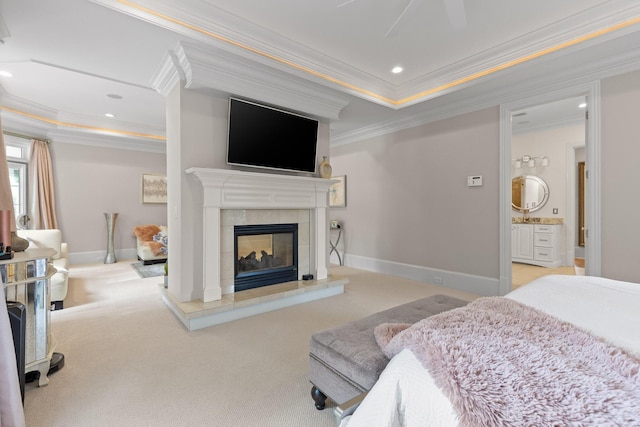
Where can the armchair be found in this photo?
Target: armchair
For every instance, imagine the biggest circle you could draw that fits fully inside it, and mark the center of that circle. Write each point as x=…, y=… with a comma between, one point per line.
x=60, y=280
x=151, y=243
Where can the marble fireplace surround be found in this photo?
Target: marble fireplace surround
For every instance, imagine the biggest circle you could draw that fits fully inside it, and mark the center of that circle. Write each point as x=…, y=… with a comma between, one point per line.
x=269, y=198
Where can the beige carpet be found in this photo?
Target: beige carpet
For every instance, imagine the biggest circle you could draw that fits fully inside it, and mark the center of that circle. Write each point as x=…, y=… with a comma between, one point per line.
x=129, y=362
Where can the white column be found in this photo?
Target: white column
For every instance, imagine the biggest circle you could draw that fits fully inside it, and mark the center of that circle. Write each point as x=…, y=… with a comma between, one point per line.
x=322, y=243
x=211, y=255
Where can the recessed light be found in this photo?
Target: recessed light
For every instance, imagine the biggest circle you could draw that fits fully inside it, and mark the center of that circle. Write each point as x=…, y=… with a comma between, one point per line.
x=583, y=105
x=110, y=115
x=5, y=73
x=396, y=70
x=114, y=96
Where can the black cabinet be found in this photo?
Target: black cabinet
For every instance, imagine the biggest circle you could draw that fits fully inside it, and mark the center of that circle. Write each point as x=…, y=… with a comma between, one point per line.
x=18, y=320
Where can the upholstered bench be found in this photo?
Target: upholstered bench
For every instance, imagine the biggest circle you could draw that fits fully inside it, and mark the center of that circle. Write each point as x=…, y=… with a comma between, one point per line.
x=346, y=361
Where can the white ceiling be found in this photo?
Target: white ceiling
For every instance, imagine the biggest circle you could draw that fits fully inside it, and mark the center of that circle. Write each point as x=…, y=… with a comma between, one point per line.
x=66, y=56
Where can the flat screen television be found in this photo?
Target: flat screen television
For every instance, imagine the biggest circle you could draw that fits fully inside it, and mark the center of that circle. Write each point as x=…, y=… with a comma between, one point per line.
x=266, y=137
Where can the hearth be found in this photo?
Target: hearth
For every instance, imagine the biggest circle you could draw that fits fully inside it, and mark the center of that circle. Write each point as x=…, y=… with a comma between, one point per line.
x=265, y=254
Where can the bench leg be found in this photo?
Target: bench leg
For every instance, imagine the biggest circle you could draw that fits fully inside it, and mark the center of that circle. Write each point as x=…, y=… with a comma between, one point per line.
x=318, y=397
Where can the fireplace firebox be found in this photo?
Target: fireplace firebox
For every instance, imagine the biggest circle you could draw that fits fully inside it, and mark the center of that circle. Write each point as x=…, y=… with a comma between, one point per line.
x=265, y=254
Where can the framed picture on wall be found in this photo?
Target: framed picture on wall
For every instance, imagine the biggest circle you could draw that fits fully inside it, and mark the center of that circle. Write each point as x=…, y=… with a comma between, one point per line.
x=154, y=188
x=338, y=192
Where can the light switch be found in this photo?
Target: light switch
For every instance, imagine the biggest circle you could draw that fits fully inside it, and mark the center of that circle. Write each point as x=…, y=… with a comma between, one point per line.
x=474, y=181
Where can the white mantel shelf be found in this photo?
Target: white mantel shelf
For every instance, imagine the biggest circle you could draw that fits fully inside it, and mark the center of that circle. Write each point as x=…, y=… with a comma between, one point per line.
x=232, y=189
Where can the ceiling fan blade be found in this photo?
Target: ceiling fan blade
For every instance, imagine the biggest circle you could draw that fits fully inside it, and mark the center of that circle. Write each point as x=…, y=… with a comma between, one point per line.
x=456, y=13
x=401, y=18
x=345, y=2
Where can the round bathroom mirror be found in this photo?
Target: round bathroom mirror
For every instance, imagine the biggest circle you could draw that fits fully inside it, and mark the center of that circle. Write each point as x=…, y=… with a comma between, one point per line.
x=528, y=193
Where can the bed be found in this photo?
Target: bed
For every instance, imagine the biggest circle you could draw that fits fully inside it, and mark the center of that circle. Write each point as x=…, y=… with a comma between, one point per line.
x=406, y=393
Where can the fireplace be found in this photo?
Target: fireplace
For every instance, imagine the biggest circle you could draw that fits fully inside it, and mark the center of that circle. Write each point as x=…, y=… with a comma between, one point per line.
x=265, y=254
x=258, y=198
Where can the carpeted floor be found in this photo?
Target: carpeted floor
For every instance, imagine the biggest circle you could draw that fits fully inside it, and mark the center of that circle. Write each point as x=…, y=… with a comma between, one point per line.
x=146, y=271
x=130, y=362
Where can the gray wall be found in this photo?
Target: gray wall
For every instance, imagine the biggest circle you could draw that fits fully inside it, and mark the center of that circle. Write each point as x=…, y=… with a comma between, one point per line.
x=90, y=181
x=620, y=182
x=407, y=195
x=408, y=200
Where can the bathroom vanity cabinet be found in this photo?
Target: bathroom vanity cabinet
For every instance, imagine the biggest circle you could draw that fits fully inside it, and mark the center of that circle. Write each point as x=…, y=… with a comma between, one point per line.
x=537, y=244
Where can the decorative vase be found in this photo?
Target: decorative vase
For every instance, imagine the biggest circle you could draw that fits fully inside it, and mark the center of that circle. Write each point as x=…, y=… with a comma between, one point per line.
x=111, y=225
x=5, y=228
x=325, y=168
x=18, y=244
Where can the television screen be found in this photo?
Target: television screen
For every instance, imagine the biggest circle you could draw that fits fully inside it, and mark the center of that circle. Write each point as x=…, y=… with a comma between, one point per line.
x=266, y=137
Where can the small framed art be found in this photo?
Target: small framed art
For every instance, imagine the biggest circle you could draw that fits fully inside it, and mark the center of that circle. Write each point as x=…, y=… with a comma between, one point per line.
x=154, y=188
x=338, y=192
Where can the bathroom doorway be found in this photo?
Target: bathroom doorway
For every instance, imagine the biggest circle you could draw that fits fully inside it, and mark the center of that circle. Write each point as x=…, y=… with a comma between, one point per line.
x=565, y=139
x=546, y=142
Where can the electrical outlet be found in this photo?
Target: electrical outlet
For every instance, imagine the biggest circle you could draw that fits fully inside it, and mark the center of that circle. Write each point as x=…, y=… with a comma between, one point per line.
x=438, y=280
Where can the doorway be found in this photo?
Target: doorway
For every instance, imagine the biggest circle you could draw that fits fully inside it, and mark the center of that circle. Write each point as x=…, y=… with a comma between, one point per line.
x=546, y=141
x=570, y=205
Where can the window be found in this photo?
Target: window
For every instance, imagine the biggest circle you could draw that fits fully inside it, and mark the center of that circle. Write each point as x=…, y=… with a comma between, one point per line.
x=18, y=181
x=18, y=161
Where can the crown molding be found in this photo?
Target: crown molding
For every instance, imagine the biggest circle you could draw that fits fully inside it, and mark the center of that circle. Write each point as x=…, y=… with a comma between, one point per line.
x=21, y=124
x=168, y=75
x=213, y=26
x=19, y=115
x=208, y=68
x=20, y=104
x=107, y=141
x=216, y=27
x=496, y=94
x=556, y=34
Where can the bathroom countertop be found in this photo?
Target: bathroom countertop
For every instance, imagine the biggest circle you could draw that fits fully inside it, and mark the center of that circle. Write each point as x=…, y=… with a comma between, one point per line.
x=536, y=220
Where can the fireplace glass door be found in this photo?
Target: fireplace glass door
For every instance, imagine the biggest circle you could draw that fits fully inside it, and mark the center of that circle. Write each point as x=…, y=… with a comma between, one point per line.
x=265, y=255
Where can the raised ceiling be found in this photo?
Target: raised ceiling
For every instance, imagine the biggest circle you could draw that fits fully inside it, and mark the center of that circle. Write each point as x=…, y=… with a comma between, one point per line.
x=66, y=56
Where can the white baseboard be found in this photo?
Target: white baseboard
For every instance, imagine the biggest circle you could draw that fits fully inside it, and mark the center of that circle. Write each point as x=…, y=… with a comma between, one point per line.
x=478, y=285
x=93, y=257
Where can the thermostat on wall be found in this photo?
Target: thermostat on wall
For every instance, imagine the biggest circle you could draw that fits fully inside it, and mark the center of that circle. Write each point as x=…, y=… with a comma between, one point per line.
x=474, y=181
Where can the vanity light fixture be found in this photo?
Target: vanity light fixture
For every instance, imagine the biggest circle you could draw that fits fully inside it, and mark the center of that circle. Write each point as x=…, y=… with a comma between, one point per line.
x=529, y=161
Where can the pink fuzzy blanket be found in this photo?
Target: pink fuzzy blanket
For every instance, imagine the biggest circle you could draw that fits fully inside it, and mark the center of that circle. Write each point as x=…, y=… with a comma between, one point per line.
x=502, y=363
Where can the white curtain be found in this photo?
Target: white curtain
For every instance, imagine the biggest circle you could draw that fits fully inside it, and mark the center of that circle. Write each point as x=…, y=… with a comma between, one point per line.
x=43, y=203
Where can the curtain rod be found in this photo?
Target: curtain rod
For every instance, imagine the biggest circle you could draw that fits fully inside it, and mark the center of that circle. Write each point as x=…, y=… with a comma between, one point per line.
x=23, y=136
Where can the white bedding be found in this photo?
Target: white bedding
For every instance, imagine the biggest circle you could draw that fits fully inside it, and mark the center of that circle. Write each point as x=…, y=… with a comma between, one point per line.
x=405, y=395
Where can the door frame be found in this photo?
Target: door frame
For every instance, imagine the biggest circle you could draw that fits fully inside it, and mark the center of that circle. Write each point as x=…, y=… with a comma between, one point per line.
x=593, y=256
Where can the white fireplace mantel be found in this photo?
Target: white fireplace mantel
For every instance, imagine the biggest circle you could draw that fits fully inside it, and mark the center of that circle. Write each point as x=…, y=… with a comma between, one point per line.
x=231, y=189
